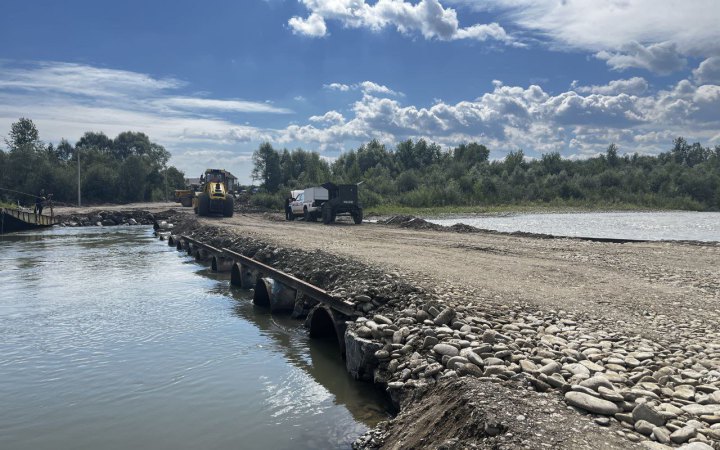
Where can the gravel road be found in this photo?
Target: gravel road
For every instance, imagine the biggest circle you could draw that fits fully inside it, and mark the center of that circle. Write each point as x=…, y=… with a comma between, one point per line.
x=628, y=283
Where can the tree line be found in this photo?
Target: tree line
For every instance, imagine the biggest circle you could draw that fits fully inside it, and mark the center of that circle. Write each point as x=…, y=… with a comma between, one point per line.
x=128, y=168
x=422, y=174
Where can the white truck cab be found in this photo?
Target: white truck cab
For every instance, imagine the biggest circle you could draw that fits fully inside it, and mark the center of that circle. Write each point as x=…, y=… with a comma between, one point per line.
x=307, y=203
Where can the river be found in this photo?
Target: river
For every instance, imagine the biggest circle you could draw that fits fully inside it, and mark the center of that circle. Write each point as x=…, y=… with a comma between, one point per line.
x=654, y=226
x=111, y=339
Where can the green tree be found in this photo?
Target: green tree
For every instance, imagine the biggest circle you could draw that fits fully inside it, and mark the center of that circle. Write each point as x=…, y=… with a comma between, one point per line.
x=266, y=161
x=23, y=135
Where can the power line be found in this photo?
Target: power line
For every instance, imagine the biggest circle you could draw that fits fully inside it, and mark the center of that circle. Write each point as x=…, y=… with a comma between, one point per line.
x=18, y=192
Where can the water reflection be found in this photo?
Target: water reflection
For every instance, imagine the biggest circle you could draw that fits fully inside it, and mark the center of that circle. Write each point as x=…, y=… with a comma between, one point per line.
x=111, y=339
x=319, y=358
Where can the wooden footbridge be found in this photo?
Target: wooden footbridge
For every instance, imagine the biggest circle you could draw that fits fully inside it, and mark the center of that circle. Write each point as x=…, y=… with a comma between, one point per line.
x=17, y=220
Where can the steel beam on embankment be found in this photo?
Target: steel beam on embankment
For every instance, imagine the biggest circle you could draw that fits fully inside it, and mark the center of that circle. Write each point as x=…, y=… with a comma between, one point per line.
x=202, y=245
x=304, y=287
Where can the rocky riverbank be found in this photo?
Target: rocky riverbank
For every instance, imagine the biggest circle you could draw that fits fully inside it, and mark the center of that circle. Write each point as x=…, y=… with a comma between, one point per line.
x=443, y=352
x=109, y=218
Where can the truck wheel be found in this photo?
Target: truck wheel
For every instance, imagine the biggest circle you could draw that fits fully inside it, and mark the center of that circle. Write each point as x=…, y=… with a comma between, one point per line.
x=186, y=202
x=327, y=215
x=203, y=204
x=307, y=215
x=357, y=216
x=228, y=207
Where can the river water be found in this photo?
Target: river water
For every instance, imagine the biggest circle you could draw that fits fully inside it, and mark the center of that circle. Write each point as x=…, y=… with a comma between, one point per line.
x=654, y=226
x=111, y=339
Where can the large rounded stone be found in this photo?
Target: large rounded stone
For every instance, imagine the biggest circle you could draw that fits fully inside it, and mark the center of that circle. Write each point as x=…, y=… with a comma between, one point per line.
x=446, y=350
x=591, y=404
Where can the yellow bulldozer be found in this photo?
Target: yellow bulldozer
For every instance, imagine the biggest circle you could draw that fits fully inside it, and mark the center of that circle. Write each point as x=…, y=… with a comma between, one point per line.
x=214, y=196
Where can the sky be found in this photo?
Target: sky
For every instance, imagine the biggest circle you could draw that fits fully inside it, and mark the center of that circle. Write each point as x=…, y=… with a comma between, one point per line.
x=212, y=80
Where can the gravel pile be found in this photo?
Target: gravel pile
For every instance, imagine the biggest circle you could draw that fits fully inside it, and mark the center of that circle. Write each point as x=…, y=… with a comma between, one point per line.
x=665, y=392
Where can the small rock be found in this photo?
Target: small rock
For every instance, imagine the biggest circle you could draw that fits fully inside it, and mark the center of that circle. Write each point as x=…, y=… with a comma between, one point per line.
x=644, y=427
x=550, y=368
x=603, y=421
x=645, y=412
x=377, y=318
x=683, y=435
x=661, y=434
x=445, y=316
x=595, y=382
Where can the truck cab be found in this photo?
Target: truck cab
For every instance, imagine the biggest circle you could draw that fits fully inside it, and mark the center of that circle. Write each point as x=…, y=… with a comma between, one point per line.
x=307, y=203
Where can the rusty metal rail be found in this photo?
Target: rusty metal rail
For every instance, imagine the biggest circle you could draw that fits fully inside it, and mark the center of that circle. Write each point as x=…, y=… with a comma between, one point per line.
x=203, y=245
x=301, y=286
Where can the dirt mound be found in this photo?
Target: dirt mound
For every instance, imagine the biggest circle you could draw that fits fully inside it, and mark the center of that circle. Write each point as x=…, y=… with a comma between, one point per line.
x=417, y=223
x=469, y=413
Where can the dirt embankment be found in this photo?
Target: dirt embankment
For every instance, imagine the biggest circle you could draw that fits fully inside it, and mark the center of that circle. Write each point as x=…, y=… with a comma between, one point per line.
x=626, y=333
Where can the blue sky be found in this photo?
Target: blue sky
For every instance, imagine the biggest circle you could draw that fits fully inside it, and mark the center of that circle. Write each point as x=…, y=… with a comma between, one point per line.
x=211, y=80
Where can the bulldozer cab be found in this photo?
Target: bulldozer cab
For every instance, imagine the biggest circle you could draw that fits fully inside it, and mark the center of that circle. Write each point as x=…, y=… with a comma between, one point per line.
x=214, y=176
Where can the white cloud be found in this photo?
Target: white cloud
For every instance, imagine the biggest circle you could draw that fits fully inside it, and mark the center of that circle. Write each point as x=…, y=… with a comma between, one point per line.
x=427, y=17
x=595, y=26
x=662, y=58
x=366, y=87
x=313, y=26
x=632, y=86
x=337, y=87
x=81, y=79
x=709, y=71
x=330, y=117
x=195, y=104
x=580, y=122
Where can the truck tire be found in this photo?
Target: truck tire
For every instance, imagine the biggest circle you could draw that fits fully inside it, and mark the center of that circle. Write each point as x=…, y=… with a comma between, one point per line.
x=186, y=202
x=357, y=216
x=327, y=215
x=307, y=215
x=228, y=207
x=203, y=204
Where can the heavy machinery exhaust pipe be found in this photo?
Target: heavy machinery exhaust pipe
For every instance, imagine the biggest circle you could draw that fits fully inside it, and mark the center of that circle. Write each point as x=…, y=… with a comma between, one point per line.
x=271, y=294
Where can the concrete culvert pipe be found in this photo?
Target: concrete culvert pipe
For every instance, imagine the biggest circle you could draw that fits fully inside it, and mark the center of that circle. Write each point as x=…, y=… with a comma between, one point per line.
x=324, y=325
x=235, y=275
x=220, y=264
x=201, y=254
x=271, y=294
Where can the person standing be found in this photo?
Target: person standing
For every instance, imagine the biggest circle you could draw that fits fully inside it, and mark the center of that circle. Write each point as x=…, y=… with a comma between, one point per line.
x=39, y=202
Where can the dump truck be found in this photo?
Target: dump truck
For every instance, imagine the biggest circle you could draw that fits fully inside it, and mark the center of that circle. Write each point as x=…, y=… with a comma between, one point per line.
x=214, y=196
x=184, y=197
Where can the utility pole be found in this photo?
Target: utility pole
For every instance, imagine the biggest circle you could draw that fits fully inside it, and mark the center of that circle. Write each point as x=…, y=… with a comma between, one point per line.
x=166, y=186
x=78, y=155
